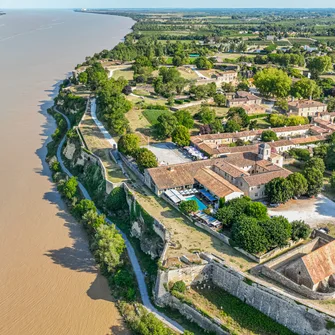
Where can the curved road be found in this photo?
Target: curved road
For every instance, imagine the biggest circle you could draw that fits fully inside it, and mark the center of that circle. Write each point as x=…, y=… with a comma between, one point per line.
x=131, y=253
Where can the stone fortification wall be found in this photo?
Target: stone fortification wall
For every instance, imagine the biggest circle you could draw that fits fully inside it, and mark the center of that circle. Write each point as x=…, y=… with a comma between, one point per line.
x=284, y=310
x=279, y=306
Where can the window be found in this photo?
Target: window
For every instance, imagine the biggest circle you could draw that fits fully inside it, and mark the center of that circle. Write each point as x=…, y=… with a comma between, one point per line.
x=258, y=187
x=256, y=194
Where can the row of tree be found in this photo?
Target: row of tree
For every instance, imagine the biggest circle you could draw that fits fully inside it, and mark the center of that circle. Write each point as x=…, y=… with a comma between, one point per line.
x=310, y=183
x=129, y=144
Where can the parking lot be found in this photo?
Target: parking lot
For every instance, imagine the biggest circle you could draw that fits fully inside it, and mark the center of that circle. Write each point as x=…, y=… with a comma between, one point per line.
x=168, y=153
x=314, y=212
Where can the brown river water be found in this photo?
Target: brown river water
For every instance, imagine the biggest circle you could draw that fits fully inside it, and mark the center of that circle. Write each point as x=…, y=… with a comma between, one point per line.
x=48, y=281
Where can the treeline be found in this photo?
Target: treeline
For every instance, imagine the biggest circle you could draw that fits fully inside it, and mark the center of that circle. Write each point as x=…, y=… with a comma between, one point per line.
x=112, y=104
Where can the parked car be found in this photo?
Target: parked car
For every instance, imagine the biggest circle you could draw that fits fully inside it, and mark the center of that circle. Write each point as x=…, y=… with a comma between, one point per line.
x=274, y=205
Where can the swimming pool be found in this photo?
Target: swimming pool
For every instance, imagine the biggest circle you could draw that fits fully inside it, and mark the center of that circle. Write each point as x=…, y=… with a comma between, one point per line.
x=201, y=205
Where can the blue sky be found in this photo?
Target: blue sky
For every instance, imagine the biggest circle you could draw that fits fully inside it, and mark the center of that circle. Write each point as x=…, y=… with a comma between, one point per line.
x=160, y=3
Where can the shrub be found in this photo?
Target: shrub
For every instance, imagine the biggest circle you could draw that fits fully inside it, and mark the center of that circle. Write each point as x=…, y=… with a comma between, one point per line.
x=300, y=230
x=116, y=200
x=189, y=206
x=301, y=154
x=179, y=286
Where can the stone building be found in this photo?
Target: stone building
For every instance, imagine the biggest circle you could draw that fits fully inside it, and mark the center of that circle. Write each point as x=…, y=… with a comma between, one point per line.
x=315, y=270
x=306, y=108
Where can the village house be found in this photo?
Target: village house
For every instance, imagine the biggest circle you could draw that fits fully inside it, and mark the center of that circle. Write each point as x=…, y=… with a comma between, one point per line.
x=243, y=98
x=306, y=108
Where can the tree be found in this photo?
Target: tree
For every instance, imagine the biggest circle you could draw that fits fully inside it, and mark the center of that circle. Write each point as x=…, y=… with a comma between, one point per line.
x=116, y=200
x=269, y=135
x=108, y=246
x=248, y=235
x=184, y=118
x=298, y=183
x=317, y=163
x=319, y=65
x=83, y=207
x=181, y=136
x=128, y=144
x=257, y=210
x=320, y=151
x=296, y=120
x=331, y=104
x=207, y=115
x=277, y=120
x=145, y=159
x=203, y=63
x=278, y=190
x=300, y=230
x=301, y=154
x=228, y=87
x=239, y=115
x=216, y=126
x=179, y=286
x=232, y=210
x=127, y=90
x=314, y=179
x=277, y=230
x=220, y=99
x=282, y=104
x=93, y=220
x=232, y=126
x=306, y=88
x=332, y=180
x=69, y=188
x=189, y=206
x=166, y=124
x=330, y=157
x=83, y=77
x=273, y=82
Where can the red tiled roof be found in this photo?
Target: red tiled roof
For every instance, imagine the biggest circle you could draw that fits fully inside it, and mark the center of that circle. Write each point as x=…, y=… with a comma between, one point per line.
x=215, y=183
x=320, y=263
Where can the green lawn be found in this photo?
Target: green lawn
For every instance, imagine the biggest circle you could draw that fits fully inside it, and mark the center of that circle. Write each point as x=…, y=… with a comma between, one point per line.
x=237, y=316
x=152, y=114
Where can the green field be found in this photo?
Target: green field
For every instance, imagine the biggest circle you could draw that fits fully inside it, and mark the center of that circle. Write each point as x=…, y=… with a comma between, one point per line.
x=152, y=114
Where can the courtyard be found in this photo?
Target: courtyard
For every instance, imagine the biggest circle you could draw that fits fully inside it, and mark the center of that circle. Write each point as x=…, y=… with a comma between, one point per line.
x=314, y=211
x=168, y=153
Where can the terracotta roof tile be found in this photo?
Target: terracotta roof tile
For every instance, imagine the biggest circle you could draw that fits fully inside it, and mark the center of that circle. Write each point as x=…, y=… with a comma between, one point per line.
x=264, y=178
x=215, y=183
x=320, y=263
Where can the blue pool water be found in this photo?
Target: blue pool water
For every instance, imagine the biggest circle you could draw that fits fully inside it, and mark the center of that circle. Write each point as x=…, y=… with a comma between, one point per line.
x=201, y=205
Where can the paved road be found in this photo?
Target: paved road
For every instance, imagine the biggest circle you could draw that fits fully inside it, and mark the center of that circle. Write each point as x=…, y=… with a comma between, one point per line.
x=131, y=253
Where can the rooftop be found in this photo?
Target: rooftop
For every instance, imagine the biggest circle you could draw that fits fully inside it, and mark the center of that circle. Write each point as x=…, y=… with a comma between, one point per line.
x=320, y=263
x=306, y=104
x=264, y=178
x=215, y=183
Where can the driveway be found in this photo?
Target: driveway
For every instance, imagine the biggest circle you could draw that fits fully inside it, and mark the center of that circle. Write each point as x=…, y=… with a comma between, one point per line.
x=314, y=212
